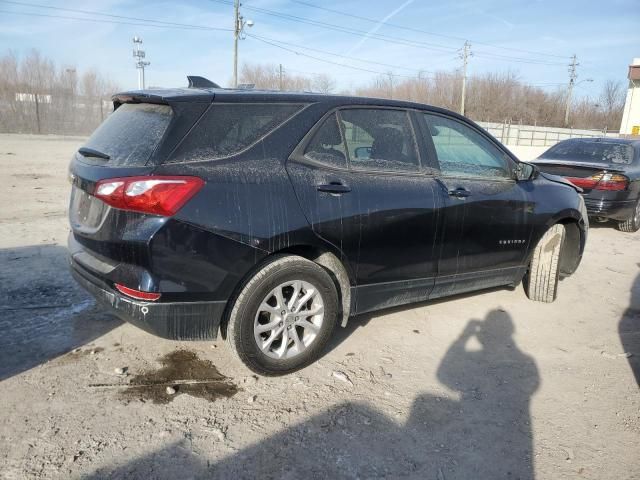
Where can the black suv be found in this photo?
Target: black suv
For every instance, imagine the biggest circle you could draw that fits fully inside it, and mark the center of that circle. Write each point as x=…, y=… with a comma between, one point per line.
x=274, y=216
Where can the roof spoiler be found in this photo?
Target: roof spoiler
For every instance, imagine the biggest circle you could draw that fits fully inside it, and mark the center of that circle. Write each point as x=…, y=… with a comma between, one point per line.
x=200, y=82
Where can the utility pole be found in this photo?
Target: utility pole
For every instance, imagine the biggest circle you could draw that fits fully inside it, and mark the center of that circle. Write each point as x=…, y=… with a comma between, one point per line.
x=139, y=55
x=236, y=35
x=238, y=27
x=572, y=81
x=281, y=78
x=466, y=53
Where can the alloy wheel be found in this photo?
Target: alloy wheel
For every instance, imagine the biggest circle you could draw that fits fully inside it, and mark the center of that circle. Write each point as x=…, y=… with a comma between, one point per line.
x=288, y=319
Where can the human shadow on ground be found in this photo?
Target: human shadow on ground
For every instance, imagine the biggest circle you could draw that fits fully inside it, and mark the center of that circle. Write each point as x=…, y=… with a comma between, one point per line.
x=629, y=330
x=486, y=434
x=43, y=313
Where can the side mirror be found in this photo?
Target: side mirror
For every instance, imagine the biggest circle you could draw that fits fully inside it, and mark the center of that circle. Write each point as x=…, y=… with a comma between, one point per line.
x=525, y=171
x=363, y=153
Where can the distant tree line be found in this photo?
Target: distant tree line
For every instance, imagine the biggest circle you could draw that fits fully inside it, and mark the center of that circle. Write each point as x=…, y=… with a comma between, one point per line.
x=36, y=96
x=491, y=97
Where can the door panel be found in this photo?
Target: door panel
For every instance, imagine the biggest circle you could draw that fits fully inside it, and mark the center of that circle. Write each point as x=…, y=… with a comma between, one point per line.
x=485, y=235
x=486, y=213
x=384, y=222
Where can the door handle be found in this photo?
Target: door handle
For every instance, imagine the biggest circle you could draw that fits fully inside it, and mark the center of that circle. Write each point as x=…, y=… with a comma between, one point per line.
x=336, y=188
x=460, y=193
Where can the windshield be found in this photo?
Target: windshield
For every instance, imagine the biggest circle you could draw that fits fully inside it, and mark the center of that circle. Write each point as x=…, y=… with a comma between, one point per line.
x=603, y=152
x=129, y=136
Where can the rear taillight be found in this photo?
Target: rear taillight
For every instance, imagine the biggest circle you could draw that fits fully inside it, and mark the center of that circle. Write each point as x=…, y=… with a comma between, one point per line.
x=601, y=181
x=138, y=294
x=155, y=194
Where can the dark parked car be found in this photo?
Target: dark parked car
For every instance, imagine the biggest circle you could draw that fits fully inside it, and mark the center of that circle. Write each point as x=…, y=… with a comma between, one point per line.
x=607, y=169
x=271, y=217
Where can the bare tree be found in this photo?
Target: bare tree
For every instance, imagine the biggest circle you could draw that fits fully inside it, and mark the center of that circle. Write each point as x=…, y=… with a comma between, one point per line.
x=323, y=83
x=36, y=96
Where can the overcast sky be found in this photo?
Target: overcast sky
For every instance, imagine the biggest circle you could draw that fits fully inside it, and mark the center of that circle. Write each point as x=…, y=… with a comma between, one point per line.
x=533, y=39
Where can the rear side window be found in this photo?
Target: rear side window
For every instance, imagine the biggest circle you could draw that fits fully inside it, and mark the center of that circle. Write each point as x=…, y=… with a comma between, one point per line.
x=130, y=135
x=590, y=151
x=380, y=140
x=326, y=146
x=229, y=128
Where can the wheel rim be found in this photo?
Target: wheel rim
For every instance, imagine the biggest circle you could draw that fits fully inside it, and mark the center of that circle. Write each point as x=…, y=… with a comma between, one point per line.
x=636, y=217
x=289, y=319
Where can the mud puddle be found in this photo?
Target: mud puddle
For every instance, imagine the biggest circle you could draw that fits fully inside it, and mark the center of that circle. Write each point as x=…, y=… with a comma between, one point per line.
x=183, y=372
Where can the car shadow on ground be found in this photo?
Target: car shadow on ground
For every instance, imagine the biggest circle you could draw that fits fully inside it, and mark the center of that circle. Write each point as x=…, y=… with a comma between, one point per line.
x=483, y=433
x=43, y=314
x=629, y=329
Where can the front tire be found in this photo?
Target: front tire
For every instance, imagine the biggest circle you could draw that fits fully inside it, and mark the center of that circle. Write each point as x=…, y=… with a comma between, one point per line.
x=541, y=281
x=632, y=224
x=283, y=317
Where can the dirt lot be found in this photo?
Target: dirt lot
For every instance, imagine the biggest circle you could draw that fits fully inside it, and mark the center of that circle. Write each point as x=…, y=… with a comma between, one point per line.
x=483, y=386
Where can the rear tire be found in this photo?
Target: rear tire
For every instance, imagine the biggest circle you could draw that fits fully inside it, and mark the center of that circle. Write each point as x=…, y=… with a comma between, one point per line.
x=632, y=224
x=541, y=281
x=300, y=333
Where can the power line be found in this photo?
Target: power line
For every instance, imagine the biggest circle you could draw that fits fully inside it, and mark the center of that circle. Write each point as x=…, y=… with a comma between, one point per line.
x=411, y=29
x=347, y=30
x=388, y=38
x=159, y=23
x=373, y=62
x=353, y=67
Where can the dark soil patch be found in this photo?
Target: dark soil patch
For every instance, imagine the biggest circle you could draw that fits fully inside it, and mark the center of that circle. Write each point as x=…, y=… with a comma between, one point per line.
x=183, y=371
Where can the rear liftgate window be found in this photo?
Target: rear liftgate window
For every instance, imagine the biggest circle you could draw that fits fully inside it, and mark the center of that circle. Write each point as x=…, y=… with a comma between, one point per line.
x=585, y=151
x=130, y=135
x=228, y=129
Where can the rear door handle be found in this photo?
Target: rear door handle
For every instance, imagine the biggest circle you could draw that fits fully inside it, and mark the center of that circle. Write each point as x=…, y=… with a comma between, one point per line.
x=336, y=188
x=459, y=193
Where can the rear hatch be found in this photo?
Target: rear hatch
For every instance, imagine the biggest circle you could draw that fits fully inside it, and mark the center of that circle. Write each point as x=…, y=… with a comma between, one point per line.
x=121, y=146
x=131, y=142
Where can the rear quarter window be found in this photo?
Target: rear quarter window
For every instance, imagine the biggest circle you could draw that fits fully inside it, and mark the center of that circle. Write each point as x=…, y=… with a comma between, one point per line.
x=130, y=135
x=227, y=129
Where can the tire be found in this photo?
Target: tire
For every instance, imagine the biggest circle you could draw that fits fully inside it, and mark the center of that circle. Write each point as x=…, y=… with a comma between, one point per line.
x=258, y=306
x=632, y=224
x=541, y=281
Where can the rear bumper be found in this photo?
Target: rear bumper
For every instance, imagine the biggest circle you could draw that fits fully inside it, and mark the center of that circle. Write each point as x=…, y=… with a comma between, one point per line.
x=170, y=320
x=614, y=209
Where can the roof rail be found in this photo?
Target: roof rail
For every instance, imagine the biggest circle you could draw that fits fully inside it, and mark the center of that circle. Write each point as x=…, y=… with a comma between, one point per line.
x=200, y=82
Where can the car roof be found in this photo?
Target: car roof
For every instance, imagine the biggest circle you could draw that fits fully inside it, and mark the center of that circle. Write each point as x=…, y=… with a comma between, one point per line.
x=171, y=95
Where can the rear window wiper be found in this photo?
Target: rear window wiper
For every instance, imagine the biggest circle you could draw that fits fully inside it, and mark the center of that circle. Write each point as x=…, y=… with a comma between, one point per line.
x=90, y=152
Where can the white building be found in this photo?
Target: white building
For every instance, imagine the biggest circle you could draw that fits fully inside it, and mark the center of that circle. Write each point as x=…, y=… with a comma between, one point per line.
x=631, y=116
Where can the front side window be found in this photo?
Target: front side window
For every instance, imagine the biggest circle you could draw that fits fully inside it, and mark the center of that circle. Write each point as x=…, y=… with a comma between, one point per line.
x=380, y=140
x=463, y=152
x=229, y=128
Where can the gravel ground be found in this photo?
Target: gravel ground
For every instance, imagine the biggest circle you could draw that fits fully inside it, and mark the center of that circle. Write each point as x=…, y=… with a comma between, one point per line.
x=482, y=386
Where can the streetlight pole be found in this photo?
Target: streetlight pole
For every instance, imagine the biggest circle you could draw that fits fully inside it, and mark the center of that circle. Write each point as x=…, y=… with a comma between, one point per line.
x=238, y=26
x=139, y=55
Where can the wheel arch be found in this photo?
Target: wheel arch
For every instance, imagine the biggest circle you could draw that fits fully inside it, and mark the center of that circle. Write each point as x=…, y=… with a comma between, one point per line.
x=574, y=241
x=337, y=270
x=572, y=248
